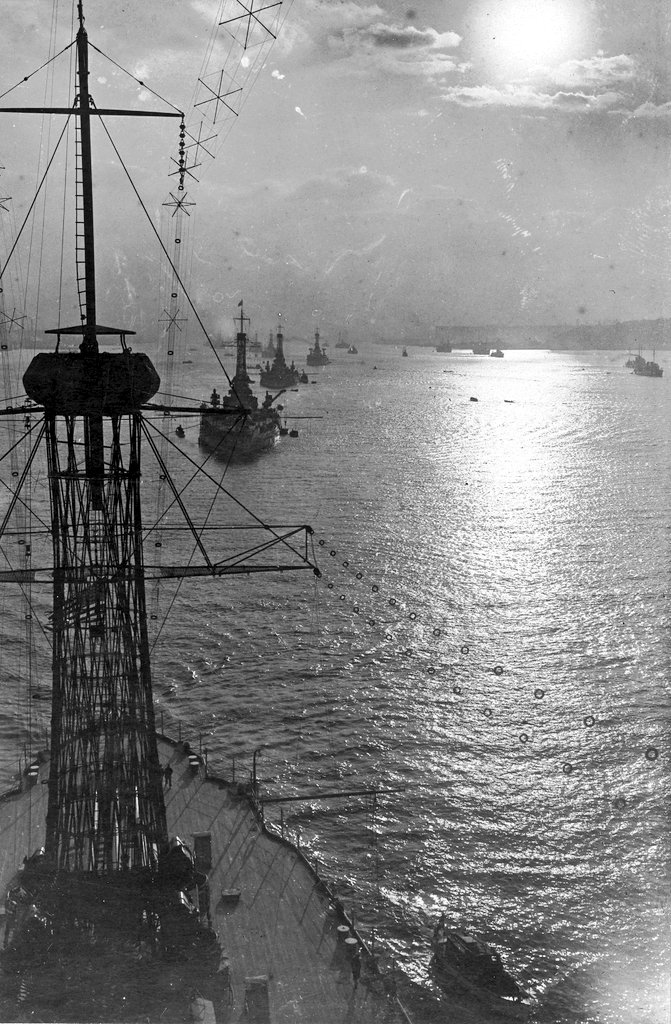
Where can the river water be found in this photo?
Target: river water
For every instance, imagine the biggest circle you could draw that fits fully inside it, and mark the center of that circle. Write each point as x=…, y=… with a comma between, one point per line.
x=488, y=642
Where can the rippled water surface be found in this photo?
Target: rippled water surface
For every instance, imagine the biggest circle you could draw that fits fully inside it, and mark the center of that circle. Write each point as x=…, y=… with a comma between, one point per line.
x=488, y=641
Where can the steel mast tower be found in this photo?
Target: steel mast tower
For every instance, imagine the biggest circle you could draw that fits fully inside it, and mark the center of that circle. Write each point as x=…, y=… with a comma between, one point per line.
x=106, y=812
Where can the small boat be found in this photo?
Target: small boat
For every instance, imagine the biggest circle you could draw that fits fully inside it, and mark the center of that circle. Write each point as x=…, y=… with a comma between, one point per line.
x=461, y=958
x=497, y=353
x=404, y=352
x=317, y=355
x=180, y=430
x=303, y=378
x=293, y=433
x=352, y=350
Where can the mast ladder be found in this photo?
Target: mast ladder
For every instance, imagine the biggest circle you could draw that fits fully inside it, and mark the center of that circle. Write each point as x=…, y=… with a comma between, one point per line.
x=80, y=258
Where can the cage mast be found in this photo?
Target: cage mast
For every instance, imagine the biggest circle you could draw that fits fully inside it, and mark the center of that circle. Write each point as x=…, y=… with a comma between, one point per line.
x=106, y=812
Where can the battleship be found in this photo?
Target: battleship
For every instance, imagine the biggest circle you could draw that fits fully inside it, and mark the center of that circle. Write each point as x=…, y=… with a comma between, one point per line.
x=249, y=433
x=268, y=351
x=277, y=374
x=317, y=355
x=138, y=885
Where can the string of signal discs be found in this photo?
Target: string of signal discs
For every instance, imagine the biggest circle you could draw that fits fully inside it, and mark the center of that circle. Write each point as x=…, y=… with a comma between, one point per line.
x=589, y=720
x=242, y=35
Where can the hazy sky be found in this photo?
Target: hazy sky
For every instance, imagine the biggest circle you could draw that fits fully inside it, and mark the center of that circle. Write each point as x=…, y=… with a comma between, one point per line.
x=391, y=167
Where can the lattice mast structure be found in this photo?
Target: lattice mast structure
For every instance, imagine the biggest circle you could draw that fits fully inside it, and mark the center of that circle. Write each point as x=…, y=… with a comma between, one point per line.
x=106, y=812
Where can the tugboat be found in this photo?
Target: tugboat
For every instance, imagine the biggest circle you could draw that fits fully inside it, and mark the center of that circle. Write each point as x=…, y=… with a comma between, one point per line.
x=404, y=352
x=352, y=350
x=462, y=959
x=496, y=353
x=646, y=369
x=249, y=434
x=277, y=374
x=316, y=355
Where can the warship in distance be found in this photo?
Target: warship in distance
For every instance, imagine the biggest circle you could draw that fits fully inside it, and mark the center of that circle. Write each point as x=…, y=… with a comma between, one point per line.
x=248, y=433
x=108, y=914
x=317, y=355
x=268, y=351
x=277, y=374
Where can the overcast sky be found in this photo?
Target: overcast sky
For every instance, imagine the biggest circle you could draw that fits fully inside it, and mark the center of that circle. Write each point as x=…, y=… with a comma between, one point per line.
x=388, y=167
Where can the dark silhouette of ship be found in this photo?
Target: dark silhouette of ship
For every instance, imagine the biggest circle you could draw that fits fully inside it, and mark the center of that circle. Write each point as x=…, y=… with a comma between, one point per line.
x=277, y=374
x=316, y=355
x=253, y=428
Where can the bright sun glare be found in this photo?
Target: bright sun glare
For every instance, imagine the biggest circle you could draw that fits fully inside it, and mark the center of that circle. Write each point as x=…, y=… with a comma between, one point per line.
x=516, y=35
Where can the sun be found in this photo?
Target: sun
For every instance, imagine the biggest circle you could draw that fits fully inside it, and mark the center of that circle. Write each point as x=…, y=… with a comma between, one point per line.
x=514, y=36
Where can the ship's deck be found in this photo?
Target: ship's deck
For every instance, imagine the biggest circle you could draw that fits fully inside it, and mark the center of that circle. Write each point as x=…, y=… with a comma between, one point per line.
x=274, y=918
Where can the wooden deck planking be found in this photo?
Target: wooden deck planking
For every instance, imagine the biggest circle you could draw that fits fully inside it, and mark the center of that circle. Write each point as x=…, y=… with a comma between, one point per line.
x=282, y=927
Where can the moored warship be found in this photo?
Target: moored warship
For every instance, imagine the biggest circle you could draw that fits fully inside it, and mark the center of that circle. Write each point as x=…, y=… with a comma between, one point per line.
x=246, y=434
x=277, y=374
x=317, y=354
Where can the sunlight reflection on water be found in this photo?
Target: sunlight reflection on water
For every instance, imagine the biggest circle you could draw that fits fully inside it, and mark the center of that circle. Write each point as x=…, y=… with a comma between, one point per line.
x=522, y=531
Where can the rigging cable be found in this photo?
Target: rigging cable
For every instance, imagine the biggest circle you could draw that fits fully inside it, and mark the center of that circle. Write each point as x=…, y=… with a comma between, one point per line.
x=164, y=250
x=200, y=471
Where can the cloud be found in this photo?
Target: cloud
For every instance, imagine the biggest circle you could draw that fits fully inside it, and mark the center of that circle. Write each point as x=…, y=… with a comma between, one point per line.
x=598, y=84
x=407, y=37
x=594, y=74
x=652, y=111
x=528, y=98
x=360, y=41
